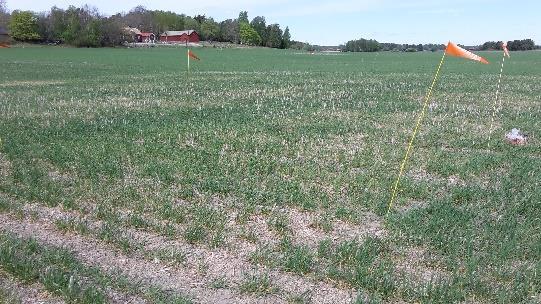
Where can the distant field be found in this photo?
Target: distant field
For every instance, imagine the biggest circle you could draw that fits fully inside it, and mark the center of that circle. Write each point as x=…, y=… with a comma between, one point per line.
x=264, y=176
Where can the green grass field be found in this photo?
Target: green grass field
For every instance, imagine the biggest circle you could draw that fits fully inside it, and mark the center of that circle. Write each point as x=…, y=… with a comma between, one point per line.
x=264, y=176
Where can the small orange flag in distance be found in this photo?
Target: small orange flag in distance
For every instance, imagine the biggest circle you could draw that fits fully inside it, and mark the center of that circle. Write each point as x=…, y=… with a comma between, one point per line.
x=505, y=50
x=455, y=50
x=192, y=55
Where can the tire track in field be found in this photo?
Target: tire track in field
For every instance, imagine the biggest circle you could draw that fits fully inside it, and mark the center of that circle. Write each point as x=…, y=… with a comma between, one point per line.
x=185, y=280
x=93, y=253
x=20, y=230
x=27, y=294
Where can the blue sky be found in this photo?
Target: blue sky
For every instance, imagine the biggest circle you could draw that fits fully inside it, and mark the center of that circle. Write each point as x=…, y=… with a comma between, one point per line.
x=333, y=22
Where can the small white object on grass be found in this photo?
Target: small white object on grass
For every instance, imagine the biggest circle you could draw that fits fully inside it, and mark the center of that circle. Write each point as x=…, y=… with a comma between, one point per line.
x=516, y=137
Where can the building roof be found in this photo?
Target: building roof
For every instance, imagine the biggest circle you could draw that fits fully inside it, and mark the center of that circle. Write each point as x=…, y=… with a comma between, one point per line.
x=133, y=30
x=178, y=33
x=3, y=31
x=146, y=34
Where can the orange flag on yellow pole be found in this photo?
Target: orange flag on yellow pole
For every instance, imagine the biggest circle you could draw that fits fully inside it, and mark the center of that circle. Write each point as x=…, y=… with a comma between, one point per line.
x=455, y=50
x=192, y=55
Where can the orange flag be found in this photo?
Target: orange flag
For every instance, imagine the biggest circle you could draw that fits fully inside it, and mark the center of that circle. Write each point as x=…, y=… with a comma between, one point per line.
x=455, y=50
x=192, y=55
x=505, y=50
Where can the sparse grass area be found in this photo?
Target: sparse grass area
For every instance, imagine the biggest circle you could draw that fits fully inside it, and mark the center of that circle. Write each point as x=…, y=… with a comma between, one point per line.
x=219, y=283
x=303, y=298
x=62, y=274
x=129, y=142
x=297, y=258
x=55, y=269
x=72, y=225
x=259, y=284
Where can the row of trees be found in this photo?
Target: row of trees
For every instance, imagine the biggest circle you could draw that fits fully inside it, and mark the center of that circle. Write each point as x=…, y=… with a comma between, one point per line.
x=396, y=47
x=257, y=32
x=491, y=45
x=371, y=45
x=364, y=45
x=515, y=45
x=85, y=26
x=82, y=26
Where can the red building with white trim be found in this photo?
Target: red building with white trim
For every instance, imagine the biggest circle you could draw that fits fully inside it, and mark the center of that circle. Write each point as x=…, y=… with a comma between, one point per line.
x=190, y=36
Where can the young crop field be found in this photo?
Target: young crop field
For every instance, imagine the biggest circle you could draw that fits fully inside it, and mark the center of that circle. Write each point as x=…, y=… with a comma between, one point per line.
x=264, y=176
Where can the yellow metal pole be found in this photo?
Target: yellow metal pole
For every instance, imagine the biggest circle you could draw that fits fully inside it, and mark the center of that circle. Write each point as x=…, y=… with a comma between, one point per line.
x=417, y=126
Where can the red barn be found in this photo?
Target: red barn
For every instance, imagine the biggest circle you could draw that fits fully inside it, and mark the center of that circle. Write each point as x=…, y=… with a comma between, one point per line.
x=180, y=36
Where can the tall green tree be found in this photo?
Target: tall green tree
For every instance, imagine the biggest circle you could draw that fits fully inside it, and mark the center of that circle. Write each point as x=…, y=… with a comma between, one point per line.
x=210, y=30
x=200, y=18
x=4, y=14
x=274, y=36
x=44, y=30
x=83, y=27
x=260, y=26
x=243, y=17
x=112, y=31
x=248, y=35
x=167, y=21
x=286, y=39
x=72, y=25
x=57, y=22
x=141, y=18
x=24, y=26
x=191, y=24
x=229, y=31
x=91, y=35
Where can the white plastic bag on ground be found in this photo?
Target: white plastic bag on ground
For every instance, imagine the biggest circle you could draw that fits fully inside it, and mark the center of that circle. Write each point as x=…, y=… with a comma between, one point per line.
x=515, y=137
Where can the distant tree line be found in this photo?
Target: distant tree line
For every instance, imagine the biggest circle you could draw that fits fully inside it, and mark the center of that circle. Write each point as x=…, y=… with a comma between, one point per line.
x=491, y=45
x=370, y=45
x=304, y=46
x=362, y=45
x=396, y=47
x=515, y=45
x=86, y=27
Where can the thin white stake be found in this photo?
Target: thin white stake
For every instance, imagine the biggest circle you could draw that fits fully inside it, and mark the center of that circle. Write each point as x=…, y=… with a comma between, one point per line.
x=496, y=105
x=188, y=55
